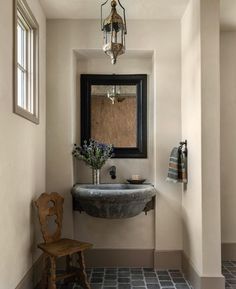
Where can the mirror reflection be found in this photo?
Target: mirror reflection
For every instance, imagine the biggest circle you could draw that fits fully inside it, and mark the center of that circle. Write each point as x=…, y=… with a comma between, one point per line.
x=114, y=114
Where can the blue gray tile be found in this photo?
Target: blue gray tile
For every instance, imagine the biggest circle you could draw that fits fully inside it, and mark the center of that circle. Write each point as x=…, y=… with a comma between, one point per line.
x=179, y=280
x=110, y=283
x=97, y=275
x=123, y=280
x=149, y=274
x=176, y=274
x=110, y=277
x=153, y=286
x=96, y=280
x=137, y=283
x=124, y=286
x=182, y=286
x=123, y=274
x=166, y=283
x=96, y=286
x=144, y=278
x=137, y=277
x=151, y=280
x=164, y=278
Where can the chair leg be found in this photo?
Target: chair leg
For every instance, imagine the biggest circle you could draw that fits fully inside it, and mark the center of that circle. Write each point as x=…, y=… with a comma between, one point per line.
x=68, y=263
x=69, y=269
x=44, y=279
x=82, y=274
x=52, y=277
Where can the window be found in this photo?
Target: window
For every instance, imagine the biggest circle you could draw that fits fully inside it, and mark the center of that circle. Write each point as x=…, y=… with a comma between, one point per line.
x=26, y=102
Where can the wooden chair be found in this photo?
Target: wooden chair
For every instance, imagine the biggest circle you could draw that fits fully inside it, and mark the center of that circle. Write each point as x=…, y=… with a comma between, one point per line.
x=51, y=205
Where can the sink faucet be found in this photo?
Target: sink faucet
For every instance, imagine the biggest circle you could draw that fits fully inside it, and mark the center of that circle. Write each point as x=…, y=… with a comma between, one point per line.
x=112, y=172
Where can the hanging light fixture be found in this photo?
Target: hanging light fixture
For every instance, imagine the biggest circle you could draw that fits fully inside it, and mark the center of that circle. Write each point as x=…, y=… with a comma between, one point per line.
x=114, y=31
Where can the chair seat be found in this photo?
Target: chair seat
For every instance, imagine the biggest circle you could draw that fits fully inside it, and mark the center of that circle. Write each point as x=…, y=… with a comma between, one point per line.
x=64, y=247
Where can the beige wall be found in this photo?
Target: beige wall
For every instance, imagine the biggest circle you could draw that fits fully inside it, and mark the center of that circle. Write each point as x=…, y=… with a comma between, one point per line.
x=191, y=130
x=228, y=135
x=22, y=159
x=200, y=126
x=210, y=89
x=64, y=37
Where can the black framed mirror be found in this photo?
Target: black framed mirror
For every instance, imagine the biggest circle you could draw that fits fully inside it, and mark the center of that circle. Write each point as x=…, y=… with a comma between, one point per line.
x=114, y=110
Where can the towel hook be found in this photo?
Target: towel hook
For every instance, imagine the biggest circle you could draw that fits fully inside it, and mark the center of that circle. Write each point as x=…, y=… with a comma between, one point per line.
x=184, y=143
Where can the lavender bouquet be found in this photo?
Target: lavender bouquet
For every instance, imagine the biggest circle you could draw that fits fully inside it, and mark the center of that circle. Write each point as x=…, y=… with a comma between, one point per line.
x=93, y=153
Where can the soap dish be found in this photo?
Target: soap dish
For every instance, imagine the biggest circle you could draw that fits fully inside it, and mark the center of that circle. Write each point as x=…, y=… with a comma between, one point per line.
x=136, y=182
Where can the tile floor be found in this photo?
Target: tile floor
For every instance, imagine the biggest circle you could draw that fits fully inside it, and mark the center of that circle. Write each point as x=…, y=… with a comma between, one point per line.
x=133, y=278
x=147, y=278
x=229, y=271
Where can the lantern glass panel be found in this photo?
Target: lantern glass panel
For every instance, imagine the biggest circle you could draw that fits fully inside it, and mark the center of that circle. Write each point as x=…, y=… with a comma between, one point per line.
x=114, y=28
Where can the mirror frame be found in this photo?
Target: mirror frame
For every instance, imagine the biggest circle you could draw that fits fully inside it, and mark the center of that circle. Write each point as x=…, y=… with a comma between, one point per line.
x=140, y=80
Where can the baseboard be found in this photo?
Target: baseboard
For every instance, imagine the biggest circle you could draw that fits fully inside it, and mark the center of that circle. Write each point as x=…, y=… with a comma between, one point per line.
x=168, y=259
x=119, y=258
x=134, y=258
x=200, y=282
x=32, y=277
x=228, y=251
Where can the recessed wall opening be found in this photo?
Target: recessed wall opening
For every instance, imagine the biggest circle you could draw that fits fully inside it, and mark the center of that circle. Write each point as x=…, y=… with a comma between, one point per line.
x=133, y=62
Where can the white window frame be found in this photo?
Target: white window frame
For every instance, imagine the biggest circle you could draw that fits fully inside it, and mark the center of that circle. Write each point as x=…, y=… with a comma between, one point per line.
x=30, y=68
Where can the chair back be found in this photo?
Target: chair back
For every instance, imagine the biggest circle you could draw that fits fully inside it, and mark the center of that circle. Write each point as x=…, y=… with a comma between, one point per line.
x=50, y=206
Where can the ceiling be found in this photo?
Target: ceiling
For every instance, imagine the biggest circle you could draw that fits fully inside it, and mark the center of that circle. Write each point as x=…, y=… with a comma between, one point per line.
x=135, y=9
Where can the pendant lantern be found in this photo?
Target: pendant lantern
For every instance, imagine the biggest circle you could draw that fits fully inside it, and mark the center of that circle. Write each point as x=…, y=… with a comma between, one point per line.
x=114, y=31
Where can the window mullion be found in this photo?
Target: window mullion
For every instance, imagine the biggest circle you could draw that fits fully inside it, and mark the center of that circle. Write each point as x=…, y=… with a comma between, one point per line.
x=31, y=69
x=27, y=68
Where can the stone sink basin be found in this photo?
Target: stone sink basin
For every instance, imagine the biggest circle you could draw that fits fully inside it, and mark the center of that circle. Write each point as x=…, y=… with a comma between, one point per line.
x=113, y=201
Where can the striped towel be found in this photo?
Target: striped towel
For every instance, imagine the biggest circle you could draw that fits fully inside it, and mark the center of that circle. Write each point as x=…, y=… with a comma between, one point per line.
x=177, y=172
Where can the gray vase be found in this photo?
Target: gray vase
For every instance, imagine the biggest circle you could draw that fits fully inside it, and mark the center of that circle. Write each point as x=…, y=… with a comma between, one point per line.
x=96, y=176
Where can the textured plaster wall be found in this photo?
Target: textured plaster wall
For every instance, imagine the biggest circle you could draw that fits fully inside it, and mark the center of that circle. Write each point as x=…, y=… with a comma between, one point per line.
x=191, y=130
x=65, y=37
x=228, y=135
x=22, y=158
x=201, y=127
